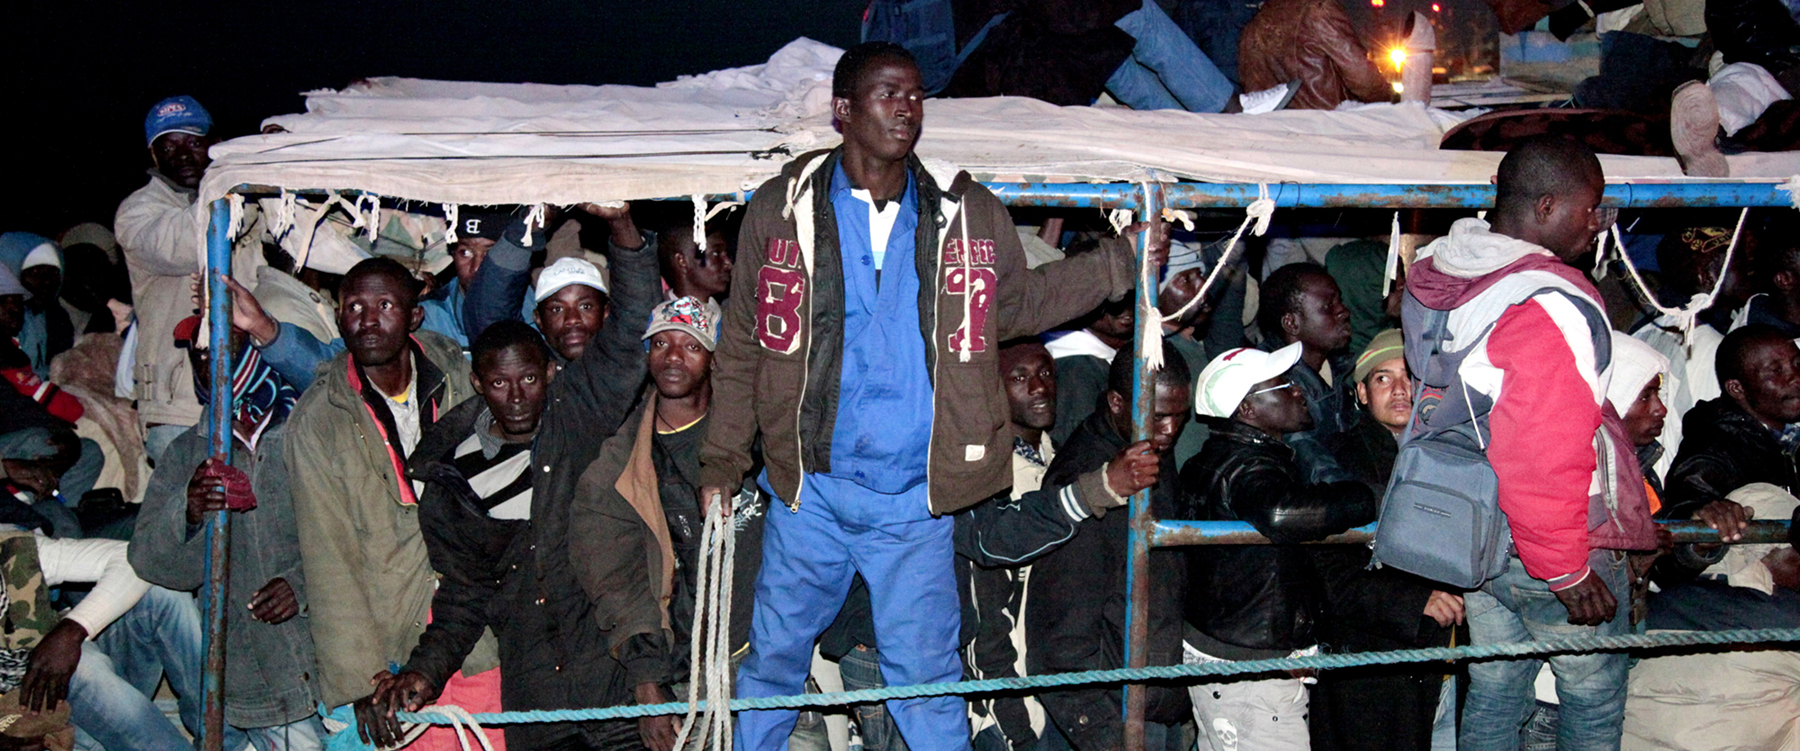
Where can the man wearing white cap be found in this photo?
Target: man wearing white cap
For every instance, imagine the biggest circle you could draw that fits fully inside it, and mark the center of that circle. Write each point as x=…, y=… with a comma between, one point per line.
x=571, y=299
x=1248, y=602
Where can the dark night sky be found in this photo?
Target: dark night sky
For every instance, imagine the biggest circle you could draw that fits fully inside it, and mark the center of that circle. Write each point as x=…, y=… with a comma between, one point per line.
x=83, y=73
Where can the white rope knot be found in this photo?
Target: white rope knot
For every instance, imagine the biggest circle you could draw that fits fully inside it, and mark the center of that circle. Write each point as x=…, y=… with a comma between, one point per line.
x=462, y=722
x=533, y=218
x=702, y=215
x=450, y=219
x=1686, y=317
x=1259, y=212
x=1120, y=219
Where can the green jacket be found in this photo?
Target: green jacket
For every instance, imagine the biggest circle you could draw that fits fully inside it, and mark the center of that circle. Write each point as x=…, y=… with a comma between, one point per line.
x=369, y=580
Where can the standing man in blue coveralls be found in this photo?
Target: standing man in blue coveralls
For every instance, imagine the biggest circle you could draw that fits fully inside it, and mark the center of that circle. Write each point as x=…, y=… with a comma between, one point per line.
x=874, y=290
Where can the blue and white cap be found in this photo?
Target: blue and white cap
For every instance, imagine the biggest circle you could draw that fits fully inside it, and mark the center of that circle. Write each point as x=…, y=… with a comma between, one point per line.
x=177, y=114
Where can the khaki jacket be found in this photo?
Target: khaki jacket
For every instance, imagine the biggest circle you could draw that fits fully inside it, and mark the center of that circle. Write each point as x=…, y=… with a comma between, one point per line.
x=369, y=579
x=161, y=231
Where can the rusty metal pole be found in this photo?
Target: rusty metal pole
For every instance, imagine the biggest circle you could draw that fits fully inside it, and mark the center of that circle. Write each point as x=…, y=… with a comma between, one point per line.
x=218, y=527
x=1137, y=566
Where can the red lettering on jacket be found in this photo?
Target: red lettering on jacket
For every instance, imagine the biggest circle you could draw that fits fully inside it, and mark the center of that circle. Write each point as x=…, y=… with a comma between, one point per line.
x=784, y=253
x=779, y=293
x=982, y=255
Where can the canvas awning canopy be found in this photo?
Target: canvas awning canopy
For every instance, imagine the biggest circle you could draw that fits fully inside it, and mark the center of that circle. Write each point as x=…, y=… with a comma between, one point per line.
x=727, y=131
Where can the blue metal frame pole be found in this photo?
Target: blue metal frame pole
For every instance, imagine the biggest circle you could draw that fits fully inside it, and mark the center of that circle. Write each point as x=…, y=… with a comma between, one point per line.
x=218, y=422
x=1637, y=194
x=1137, y=566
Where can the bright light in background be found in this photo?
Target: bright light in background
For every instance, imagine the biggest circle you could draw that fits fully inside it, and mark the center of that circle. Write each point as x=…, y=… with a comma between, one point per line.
x=1399, y=88
x=1377, y=3
x=1436, y=8
x=1397, y=56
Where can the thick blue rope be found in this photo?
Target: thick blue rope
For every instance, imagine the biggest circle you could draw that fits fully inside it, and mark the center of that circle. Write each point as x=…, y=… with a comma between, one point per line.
x=1153, y=673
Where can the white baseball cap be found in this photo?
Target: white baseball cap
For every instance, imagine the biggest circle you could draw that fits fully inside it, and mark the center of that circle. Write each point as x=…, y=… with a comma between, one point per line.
x=564, y=272
x=1230, y=376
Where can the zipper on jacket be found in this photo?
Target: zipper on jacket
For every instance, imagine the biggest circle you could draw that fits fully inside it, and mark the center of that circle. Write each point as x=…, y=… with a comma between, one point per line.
x=937, y=356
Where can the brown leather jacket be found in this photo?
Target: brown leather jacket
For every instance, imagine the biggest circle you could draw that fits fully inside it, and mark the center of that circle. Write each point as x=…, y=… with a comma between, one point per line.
x=1309, y=40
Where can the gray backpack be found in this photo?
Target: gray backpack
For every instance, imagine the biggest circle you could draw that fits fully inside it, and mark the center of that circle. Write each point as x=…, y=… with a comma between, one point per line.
x=1441, y=517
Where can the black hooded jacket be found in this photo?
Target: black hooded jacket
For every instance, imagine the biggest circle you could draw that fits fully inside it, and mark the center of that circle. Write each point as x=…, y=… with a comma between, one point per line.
x=1077, y=593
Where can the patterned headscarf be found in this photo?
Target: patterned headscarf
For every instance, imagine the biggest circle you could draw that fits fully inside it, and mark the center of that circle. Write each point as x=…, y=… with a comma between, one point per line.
x=260, y=396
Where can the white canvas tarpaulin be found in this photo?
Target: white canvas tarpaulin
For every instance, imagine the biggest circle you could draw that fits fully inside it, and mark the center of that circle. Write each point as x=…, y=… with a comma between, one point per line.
x=727, y=131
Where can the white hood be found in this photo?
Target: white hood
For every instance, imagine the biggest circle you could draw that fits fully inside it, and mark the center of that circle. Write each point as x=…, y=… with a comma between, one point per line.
x=1472, y=250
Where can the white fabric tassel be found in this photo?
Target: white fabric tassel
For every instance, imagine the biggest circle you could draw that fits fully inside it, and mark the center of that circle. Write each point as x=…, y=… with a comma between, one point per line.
x=450, y=221
x=1392, y=270
x=282, y=221
x=1599, y=271
x=1260, y=211
x=236, y=226
x=373, y=225
x=534, y=218
x=699, y=200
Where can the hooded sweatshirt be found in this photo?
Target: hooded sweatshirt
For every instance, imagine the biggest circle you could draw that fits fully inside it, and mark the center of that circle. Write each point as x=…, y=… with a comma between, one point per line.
x=1542, y=372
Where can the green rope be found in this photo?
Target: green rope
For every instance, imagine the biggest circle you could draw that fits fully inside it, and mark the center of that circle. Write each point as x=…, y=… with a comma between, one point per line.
x=1153, y=673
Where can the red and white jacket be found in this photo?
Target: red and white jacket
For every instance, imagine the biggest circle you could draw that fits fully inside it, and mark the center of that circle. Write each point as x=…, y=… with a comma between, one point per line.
x=1550, y=420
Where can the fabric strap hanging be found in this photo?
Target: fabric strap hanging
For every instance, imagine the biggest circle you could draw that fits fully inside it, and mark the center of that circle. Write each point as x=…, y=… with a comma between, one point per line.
x=1150, y=339
x=1686, y=315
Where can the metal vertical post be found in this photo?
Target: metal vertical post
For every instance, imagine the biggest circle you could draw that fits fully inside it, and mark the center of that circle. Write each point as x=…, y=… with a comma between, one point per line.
x=1137, y=561
x=218, y=421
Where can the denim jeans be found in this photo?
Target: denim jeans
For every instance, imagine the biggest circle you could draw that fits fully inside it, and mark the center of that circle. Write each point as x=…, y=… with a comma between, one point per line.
x=861, y=669
x=1166, y=71
x=1590, y=687
x=1216, y=25
x=110, y=693
x=305, y=735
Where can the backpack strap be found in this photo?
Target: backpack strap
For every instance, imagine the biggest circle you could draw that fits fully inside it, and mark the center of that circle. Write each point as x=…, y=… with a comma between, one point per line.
x=1442, y=401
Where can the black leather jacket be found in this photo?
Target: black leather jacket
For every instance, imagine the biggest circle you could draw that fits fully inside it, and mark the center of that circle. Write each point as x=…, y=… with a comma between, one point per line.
x=1261, y=598
x=1723, y=448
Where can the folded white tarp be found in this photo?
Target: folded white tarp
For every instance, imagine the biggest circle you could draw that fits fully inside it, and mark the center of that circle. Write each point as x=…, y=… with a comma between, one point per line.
x=726, y=131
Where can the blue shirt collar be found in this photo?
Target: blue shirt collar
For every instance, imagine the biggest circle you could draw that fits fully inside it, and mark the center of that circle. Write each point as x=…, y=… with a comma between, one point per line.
x=841, y=187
